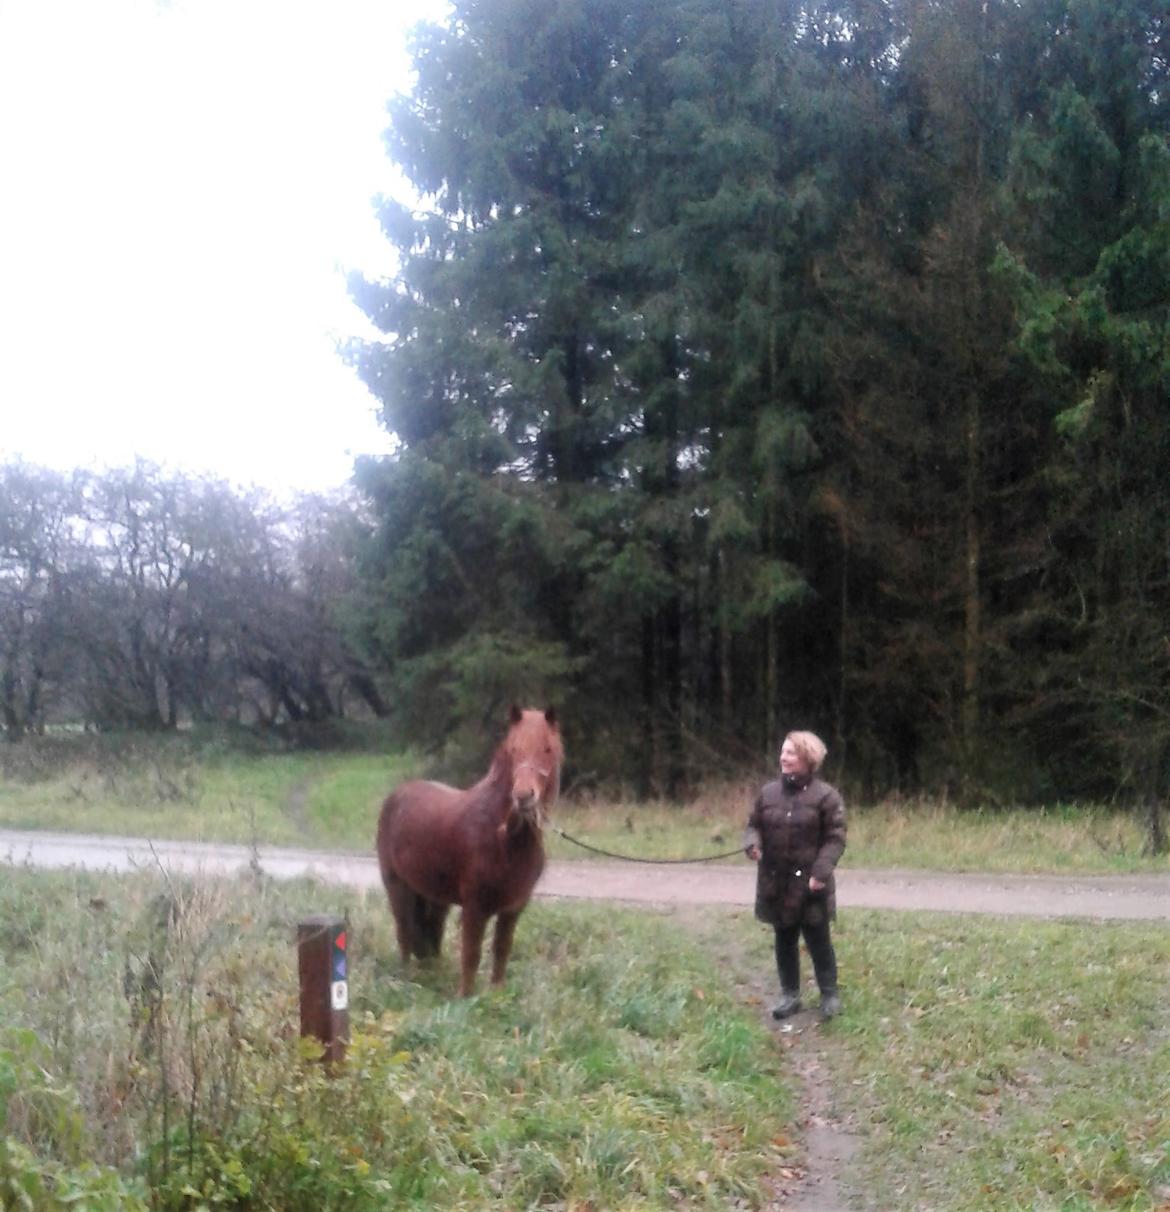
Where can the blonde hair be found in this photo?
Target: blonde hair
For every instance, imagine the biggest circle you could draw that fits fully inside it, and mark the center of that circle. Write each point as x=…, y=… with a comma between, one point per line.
x=810, y=747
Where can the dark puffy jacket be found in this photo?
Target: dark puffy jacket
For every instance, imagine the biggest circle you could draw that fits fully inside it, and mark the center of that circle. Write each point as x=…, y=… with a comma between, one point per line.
x=800, y=831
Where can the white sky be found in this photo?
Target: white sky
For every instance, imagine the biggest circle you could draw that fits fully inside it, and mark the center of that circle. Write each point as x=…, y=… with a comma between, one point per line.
x=182, y=185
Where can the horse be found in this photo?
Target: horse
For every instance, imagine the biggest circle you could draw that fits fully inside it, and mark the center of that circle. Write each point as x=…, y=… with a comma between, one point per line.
x=481, y=848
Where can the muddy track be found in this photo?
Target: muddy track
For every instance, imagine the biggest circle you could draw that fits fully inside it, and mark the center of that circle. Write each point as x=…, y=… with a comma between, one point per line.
x=825, y=1140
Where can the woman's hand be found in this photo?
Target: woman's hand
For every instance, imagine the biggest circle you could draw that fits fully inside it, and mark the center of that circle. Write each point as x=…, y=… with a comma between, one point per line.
x=753, y=852
x=815, y=885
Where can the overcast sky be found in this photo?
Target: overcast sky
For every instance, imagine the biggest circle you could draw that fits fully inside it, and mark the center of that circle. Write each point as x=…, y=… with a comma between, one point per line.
x=184, y=183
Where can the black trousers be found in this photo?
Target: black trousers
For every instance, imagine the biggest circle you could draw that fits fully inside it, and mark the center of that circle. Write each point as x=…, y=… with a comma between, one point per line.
x=820, y=947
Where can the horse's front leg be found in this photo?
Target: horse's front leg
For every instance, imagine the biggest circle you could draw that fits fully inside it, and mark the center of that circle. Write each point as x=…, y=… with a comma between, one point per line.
x=502, y=944
x=474, y=923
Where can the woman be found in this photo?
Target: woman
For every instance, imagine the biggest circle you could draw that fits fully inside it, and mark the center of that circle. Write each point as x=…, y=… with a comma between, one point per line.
x=796, y=832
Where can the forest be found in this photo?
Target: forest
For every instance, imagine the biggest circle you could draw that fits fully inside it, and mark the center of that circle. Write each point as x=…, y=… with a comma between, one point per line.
x=753, y=366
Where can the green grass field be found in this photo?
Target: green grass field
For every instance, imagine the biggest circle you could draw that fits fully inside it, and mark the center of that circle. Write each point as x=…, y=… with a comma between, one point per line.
x=168, y=787
x=920, y=835
x=307, y=799
x=995, y=1063
x=985, y=1063
x=613, y=1072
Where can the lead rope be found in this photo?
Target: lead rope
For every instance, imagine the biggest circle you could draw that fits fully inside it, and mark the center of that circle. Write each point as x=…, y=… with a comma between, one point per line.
x=629, y=858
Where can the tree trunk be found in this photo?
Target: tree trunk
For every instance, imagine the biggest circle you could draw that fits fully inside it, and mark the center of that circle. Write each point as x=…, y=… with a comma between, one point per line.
x=839, y=739
x=1156, y=842
x=726, y=683
x=1152, y=764
x=172, y=697
x=672, y=677
x=972, y=620
x=367, y=688
x=672, y=613
x=772, y=651
x=646, y=757
x=13, y=727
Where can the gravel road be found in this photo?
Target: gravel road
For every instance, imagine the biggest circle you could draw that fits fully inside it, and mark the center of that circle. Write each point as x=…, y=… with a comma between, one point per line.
x=1135, y=897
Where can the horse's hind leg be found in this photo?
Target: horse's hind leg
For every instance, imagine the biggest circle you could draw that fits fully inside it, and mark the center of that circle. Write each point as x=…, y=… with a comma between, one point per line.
x=473, y=924
x=502, y=944
x=433, y=916
x=402, y=906
x=429, y=919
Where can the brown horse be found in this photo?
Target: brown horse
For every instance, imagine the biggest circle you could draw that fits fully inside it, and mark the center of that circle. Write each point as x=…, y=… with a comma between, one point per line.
x=482, y=848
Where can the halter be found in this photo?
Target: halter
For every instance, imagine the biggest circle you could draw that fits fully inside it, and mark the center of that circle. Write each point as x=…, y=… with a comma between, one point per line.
x=546, y=774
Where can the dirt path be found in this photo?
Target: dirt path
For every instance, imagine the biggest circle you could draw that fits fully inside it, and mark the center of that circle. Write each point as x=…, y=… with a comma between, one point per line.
x=828, y=1142
x=1134, y=897
x=825, y=1141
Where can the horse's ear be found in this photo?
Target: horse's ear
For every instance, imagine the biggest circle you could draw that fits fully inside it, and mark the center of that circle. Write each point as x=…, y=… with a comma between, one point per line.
x=516, y=714
x=551, y=716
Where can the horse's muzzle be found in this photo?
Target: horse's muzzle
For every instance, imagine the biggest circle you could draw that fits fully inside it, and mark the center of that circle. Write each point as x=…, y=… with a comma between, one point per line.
x=527, y=810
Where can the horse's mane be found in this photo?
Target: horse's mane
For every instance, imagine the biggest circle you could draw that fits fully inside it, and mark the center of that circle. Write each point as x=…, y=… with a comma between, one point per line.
x=494, y=789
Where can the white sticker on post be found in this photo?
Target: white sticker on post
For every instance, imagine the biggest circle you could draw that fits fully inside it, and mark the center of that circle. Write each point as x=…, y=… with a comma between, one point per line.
x=339, y=995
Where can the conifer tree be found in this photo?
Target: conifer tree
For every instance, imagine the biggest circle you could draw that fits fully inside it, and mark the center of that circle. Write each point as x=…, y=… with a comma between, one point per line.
x=1089, y=259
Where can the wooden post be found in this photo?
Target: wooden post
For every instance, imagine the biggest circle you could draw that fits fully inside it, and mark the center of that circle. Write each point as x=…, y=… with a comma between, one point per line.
x=321, y=955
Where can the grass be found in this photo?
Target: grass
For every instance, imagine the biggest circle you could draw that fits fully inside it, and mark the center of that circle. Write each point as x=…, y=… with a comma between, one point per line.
x=1000, y=1064
x=175, y=787
x=168, y=789
x=612, y=1072
x=1069, y=839
x=1066, y=839
x=987, y=1063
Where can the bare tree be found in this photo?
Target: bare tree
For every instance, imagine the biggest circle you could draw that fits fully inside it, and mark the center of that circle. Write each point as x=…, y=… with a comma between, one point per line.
x=36, y=507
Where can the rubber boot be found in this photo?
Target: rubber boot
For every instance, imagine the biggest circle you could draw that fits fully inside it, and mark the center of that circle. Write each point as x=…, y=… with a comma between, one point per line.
x=830, y=1004
x=788, y=1004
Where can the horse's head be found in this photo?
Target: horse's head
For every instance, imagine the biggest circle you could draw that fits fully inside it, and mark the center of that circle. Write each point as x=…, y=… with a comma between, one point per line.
x=534, y=747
